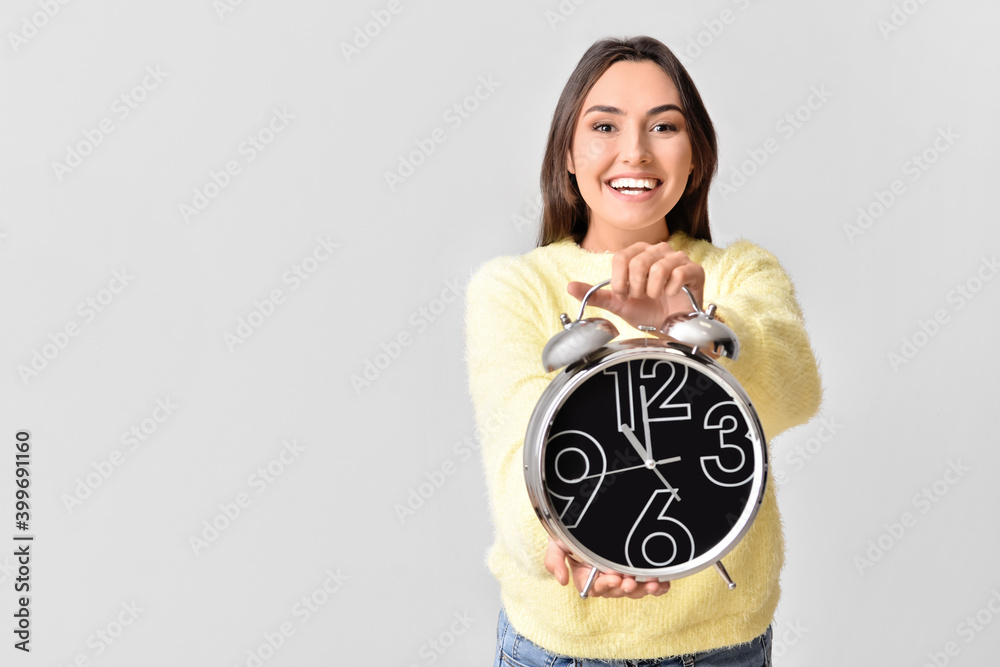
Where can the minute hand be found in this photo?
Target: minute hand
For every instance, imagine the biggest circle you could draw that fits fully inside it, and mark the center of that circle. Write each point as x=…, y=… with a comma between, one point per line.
x=651, y=464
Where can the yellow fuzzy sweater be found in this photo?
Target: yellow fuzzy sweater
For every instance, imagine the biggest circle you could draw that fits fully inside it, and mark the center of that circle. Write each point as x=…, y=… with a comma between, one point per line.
x=512, y=309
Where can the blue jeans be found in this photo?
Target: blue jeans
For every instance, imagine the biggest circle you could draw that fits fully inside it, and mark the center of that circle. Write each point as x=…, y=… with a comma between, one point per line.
x=514, y=650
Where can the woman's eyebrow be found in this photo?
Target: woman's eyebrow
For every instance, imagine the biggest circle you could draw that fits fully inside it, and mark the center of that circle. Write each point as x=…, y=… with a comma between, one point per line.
x=602, y=108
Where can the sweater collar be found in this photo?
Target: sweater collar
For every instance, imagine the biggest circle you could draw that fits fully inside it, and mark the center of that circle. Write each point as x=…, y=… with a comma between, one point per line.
x=570, y=249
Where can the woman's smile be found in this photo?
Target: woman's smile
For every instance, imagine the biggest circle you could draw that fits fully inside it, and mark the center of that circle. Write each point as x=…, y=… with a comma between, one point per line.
x=633, y=187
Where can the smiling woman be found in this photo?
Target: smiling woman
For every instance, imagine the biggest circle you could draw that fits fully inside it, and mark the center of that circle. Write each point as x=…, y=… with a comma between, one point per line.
x=611, y=142
x=667, y=117
x=630, y=157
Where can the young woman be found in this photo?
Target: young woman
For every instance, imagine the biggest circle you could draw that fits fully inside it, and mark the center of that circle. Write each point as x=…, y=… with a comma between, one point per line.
x=630, y=157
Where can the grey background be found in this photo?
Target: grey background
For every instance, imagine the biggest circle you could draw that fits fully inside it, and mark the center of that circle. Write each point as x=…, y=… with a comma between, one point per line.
x=412, y=589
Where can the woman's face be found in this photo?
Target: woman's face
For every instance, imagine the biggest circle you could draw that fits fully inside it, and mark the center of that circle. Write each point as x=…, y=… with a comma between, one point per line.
x=631, y=126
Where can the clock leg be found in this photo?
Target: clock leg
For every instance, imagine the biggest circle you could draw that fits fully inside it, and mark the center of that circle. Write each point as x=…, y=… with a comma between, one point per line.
x=590, y=582
x=721, y=569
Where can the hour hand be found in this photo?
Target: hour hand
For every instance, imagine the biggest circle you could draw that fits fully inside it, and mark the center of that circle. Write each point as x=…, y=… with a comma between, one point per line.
x=635, y=442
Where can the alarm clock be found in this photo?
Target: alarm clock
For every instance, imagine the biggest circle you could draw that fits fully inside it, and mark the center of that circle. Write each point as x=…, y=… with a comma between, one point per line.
x=645, y=457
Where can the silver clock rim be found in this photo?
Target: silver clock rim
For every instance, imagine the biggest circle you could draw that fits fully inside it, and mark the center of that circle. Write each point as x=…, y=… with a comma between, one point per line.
x=555, y=395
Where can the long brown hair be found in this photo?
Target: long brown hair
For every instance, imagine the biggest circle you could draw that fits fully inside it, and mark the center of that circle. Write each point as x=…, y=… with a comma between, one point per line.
x=564, y=211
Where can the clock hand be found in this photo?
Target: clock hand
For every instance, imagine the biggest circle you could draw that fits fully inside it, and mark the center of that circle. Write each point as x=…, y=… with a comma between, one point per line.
x=650, y=463
x=635, y=443
x=672, y=459
x=673, y=491
x=645, y=422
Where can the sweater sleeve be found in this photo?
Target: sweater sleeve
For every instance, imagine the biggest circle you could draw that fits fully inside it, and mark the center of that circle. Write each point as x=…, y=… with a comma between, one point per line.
x=776, y=365
x=504, y=341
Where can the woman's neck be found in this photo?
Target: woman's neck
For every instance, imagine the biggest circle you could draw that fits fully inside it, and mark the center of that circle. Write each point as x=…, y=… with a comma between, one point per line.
x=603, y=239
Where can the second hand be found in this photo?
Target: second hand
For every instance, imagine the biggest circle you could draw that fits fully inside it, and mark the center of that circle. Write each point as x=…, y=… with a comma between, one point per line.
x=672, y=459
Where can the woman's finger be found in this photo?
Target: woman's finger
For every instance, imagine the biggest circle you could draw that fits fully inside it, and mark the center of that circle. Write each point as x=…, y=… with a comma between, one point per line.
x=690, y=274
x=603, y=583
x=620, y=268
x=662, y=271
x=608, y=585
x=639, y=593
x=580, y=576
x=555, y=562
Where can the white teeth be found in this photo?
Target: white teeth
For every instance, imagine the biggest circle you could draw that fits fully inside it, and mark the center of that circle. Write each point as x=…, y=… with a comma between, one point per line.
x=633, y=183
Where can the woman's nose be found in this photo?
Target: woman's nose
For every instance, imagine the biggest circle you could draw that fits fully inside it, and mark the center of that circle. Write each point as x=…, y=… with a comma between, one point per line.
x=635, y=147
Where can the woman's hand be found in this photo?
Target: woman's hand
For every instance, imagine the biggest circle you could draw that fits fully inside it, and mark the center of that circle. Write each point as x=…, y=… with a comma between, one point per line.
x=646, y=284
x=605, y=585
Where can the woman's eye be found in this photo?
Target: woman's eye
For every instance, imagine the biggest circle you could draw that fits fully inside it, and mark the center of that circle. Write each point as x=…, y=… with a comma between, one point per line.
x=667, y=127
x=603, y=127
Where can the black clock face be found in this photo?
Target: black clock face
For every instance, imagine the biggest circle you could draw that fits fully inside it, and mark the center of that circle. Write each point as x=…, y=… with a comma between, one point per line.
x=650, y=463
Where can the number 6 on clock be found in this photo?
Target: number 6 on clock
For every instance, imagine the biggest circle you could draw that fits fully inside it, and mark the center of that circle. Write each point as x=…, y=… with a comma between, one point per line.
x=670, y=537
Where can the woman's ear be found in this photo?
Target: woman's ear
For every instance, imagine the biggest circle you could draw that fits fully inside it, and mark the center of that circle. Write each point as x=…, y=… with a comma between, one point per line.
x=569, y=162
